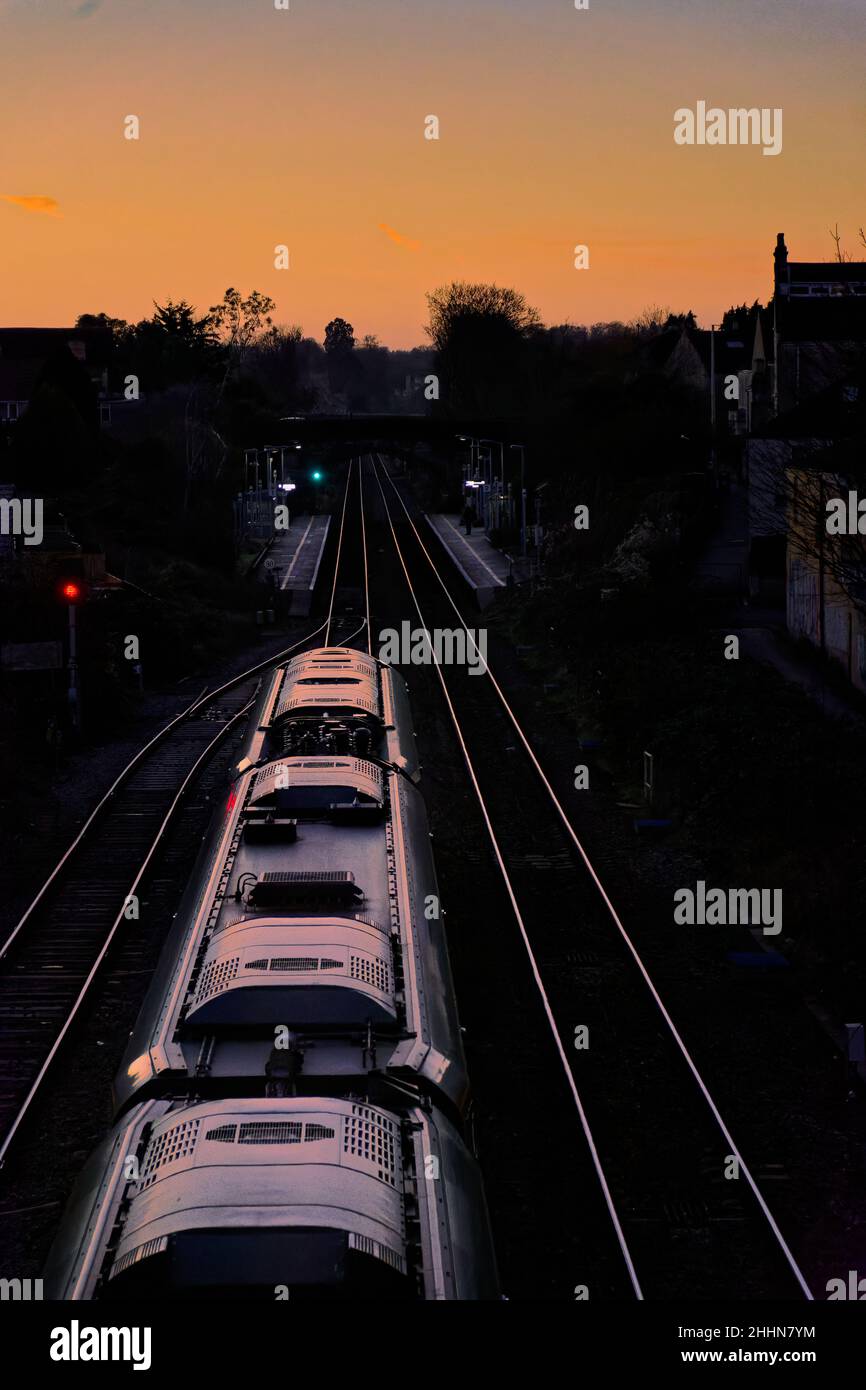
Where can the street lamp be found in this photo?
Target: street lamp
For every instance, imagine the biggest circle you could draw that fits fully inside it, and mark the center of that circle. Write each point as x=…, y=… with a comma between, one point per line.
x=473, y=443
x=501, y=456
x=270, y=470
x=501, y=488
x=522, y=448
x=282, y=449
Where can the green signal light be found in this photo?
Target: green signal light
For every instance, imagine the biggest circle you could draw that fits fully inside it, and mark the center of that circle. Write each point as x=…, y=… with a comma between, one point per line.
x=317, y=477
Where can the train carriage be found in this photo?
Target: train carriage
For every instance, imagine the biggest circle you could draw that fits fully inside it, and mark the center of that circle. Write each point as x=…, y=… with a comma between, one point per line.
x=292, y=1097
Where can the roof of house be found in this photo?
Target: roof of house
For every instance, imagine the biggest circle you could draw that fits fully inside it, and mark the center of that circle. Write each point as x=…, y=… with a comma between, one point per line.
x=659, y=348
x=842, y=272
x=37, y=344
x=733, y=351
x=833, y=319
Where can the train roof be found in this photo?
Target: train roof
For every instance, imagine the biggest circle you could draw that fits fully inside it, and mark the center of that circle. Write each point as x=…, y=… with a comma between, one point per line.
x=335, y=693
x=329, y=1196
x=315, y=906
x=331, y=680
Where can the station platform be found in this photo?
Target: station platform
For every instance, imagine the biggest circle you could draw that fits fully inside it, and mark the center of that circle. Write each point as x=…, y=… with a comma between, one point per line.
x=484, y=568
x=294, y=559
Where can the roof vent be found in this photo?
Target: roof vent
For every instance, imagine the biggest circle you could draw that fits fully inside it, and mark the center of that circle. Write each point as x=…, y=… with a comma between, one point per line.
x=168, y=1147
x=271, y=1132
x=270, y=830
x=304, y=885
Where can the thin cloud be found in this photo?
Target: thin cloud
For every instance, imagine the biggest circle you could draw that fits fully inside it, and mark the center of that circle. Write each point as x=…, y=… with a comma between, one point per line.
x=49, y=206
x=398, y=238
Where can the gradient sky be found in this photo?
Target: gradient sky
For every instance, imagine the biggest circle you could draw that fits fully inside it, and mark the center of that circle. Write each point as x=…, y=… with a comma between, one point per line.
x=261, y=127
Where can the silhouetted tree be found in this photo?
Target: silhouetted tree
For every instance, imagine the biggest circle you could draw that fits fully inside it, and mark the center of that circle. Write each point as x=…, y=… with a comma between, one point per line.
x=339, y=350
x=741, y=319
x=239, y=320
x=171, y=347
x=339, y=338
x=480, y=333
x=686, y=320
x=651, y=320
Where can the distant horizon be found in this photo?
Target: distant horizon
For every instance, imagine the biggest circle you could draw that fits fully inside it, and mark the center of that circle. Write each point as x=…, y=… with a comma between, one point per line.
x=426, y=346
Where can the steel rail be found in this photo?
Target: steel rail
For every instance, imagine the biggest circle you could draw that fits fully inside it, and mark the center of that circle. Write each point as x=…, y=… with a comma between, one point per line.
x=364, y=549
x=339, y=548
x=569, y=1075
x=205, y=698
x=572, y=833
x=121, y=916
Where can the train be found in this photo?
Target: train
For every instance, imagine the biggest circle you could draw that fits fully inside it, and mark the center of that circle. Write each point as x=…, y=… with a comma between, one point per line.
x=292, y=1110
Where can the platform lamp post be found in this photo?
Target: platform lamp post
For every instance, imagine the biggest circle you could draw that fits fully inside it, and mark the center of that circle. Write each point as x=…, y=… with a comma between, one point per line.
x=251, y=457
x=522, y=448
x=501, y=487
x=285, y=488
x=294, y=445
x=490, y=484
x=473, y=443
x=485, y=481
x=501, y=457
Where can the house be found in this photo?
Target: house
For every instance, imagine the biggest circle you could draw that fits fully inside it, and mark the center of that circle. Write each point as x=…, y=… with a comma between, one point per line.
x=695, y=357
x=818, y=326
x=826, y=571
x=29, y=355
x=804, y=392
x=831, y=416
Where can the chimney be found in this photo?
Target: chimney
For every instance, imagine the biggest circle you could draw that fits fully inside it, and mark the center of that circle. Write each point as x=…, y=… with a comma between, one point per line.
x=780, y=261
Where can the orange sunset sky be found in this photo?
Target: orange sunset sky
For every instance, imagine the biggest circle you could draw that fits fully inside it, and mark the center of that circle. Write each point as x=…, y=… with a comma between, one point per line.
x=306, y=127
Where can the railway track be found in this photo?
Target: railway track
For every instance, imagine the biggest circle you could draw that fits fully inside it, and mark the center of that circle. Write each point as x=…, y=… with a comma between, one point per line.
x=635, y=1197
x=49, y=962
x=51, y=959
x=660, y=1149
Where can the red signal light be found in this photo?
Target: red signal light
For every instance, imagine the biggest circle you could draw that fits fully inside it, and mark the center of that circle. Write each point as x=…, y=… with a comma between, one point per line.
x=71, y=592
